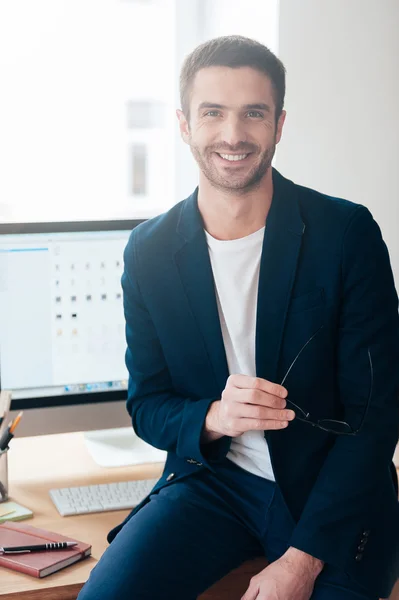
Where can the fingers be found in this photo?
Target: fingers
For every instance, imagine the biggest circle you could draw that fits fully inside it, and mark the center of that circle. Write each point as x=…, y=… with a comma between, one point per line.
x=252, y=403
x=263, y=413
x=257, y=383
x=250, y=594
x=255, y=396
x=261, y=424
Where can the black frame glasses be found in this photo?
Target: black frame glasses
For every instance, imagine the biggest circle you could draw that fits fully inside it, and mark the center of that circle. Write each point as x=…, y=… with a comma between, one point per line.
x=330, y=425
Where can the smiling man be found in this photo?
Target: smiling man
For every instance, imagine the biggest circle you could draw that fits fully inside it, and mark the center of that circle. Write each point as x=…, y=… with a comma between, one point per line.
x=263, y=349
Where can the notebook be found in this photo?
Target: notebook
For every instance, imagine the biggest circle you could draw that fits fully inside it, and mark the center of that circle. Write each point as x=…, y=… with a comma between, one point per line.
x=38, y=564
x=11, y=511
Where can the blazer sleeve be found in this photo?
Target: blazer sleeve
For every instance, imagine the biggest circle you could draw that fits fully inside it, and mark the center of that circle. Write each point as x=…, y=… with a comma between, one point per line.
x=346, y=493
x=161, y=417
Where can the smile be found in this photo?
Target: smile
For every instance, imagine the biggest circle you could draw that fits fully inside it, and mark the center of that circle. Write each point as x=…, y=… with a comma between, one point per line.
x=233, y=158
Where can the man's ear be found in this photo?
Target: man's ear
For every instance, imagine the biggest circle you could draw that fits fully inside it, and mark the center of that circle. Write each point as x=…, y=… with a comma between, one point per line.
x=280, y=125
x=183, y=126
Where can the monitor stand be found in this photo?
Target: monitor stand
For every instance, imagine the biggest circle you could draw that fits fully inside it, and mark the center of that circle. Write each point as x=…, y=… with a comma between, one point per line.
x=121, y=447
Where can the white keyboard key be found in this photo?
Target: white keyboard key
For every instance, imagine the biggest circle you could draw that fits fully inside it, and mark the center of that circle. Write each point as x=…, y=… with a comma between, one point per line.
x=95, y=508
x=111, y=506
x=67, y=512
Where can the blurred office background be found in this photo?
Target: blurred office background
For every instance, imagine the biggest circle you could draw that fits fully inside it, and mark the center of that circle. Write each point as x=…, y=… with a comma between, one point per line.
x=89, y=90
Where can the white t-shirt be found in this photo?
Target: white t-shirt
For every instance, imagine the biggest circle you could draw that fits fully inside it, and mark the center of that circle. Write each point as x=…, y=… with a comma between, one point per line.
x=235, y=265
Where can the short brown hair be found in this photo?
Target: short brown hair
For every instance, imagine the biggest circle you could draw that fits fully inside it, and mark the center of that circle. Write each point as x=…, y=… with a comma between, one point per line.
x=232, y=51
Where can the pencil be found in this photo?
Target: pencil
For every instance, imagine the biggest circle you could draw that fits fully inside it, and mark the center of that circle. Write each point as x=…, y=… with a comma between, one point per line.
x=16, y=421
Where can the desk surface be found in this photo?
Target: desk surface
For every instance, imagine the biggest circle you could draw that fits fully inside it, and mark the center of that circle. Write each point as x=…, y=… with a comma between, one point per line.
x=38, y=464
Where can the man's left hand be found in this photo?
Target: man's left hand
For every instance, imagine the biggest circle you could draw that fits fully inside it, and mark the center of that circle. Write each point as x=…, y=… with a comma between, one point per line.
x=292, y=577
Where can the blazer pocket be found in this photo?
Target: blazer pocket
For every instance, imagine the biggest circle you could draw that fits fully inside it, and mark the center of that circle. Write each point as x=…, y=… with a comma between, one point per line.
x=307, y=301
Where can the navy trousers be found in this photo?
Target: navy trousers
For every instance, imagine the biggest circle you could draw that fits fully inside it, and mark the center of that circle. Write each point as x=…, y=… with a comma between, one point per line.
x=193, y=532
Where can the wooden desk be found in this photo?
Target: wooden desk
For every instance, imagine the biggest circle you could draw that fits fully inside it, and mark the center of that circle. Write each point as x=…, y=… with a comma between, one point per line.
x=38, y=464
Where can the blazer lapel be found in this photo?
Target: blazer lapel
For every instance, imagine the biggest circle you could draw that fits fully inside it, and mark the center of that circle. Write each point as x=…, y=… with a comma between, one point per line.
x=281, y=245
x=195, y=270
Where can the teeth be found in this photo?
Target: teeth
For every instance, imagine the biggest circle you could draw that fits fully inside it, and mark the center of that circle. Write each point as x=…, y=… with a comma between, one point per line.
x=234, y=156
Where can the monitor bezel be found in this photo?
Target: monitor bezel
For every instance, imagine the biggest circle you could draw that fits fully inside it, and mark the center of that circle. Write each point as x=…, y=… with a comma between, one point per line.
x=68, y=227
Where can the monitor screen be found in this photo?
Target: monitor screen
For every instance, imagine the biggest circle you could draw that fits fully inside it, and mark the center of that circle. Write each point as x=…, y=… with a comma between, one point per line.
x=62, y=330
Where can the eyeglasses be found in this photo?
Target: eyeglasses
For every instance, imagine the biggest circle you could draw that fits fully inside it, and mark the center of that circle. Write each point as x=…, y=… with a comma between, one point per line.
x=329, y=425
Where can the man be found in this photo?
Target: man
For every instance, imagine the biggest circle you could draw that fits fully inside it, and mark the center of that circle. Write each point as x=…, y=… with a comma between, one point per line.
x=263, y=350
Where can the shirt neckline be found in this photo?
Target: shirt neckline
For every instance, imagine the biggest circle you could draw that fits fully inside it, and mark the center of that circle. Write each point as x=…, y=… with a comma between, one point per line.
x=250, y=239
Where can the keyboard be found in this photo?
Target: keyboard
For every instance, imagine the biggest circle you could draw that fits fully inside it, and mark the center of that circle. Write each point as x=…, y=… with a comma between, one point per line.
x=100, y=498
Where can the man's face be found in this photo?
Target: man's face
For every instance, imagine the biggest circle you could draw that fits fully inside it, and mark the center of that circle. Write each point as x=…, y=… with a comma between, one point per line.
x=232, y=128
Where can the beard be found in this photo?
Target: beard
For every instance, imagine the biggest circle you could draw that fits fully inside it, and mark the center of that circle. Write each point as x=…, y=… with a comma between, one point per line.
x=233, y=182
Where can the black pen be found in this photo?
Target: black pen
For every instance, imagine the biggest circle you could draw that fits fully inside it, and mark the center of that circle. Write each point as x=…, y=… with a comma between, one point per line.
x=9, y=432
x=37, y=547
x=5, y=440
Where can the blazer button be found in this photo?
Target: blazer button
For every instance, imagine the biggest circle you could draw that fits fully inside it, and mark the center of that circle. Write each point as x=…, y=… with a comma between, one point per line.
x=170, y=476
x=366, y=533
x=359, y=557
x=361, y=547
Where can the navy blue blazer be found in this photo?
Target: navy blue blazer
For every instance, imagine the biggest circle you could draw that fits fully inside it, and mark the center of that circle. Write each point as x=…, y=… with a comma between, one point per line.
x=323, y=263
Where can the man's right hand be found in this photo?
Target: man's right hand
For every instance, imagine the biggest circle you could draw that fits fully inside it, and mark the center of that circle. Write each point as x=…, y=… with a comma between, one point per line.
x=247, y=404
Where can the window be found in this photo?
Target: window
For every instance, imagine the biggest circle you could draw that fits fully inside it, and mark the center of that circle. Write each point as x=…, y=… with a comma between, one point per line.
x=87, y=108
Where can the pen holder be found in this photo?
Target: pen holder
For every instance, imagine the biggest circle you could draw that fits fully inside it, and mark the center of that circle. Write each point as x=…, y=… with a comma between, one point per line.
x=3, y=475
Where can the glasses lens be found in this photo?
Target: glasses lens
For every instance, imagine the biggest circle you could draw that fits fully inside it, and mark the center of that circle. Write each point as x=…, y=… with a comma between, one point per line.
x=335, y=426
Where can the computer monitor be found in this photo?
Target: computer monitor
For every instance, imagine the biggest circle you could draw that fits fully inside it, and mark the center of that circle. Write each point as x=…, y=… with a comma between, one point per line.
x=62, y=331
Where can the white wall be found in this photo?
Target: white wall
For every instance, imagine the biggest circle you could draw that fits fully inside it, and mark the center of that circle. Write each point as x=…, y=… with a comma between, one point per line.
x=256, y=19
x=342, y=129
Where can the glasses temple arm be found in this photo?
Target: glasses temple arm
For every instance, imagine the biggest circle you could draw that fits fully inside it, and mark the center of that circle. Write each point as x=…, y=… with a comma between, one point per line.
x=299, y=353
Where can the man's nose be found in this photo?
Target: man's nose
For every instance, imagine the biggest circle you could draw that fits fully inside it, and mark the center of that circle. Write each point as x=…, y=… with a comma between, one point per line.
x=233, y=132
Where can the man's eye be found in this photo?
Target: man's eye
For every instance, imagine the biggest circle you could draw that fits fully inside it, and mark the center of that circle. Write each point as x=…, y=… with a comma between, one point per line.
x=254, y=113
x=212, y=113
